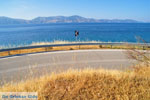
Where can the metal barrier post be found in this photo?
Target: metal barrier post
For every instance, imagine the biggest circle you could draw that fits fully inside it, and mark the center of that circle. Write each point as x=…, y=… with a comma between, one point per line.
x=143, y=48
x=111, y=46
x=100, y=46
x=9, y=53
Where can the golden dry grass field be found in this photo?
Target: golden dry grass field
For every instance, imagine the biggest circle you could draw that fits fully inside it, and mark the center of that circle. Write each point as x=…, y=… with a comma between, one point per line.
x=88, y=85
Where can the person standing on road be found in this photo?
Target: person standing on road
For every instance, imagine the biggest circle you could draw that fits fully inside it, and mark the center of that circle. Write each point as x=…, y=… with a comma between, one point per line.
x=76, y=34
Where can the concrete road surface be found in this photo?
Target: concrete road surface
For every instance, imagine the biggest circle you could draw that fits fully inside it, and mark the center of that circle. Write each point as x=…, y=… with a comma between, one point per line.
x=20, y=67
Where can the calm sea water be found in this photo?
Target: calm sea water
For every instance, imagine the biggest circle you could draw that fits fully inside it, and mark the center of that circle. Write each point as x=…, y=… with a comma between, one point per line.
x=26, y=34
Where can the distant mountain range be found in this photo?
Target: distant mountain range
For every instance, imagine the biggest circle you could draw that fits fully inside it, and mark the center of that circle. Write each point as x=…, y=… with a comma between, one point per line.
x=62, y=19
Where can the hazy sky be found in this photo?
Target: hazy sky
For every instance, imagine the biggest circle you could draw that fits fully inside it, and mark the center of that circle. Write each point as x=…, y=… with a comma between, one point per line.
x=100, y=9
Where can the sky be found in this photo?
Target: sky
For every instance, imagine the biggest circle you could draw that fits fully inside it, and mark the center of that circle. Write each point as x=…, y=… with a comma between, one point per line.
x=99, y=9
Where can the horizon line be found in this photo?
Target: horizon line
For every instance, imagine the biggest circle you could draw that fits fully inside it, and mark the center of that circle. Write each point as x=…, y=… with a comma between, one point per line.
x=79, y=16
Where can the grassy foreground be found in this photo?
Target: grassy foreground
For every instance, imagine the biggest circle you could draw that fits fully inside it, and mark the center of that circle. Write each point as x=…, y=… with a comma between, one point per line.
x=88, y=85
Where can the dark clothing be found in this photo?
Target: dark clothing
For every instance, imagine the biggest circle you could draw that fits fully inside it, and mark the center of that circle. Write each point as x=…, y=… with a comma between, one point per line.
x=76, y=33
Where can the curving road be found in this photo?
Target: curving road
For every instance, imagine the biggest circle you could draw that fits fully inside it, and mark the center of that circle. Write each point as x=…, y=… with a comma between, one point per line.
x=20, y=67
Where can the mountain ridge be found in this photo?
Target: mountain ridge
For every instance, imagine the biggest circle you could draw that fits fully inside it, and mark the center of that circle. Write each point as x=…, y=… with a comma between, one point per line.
x=62, y=19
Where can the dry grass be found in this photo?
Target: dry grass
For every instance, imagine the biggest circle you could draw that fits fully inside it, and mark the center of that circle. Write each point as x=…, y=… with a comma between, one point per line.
x=88, y=85
x=64, y=42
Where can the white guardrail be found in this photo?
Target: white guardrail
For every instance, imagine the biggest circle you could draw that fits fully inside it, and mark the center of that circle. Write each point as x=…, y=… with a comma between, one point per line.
x=77, y=44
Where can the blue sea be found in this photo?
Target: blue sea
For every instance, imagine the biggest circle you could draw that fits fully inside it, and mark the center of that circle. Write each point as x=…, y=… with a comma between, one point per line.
x=106, y=32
